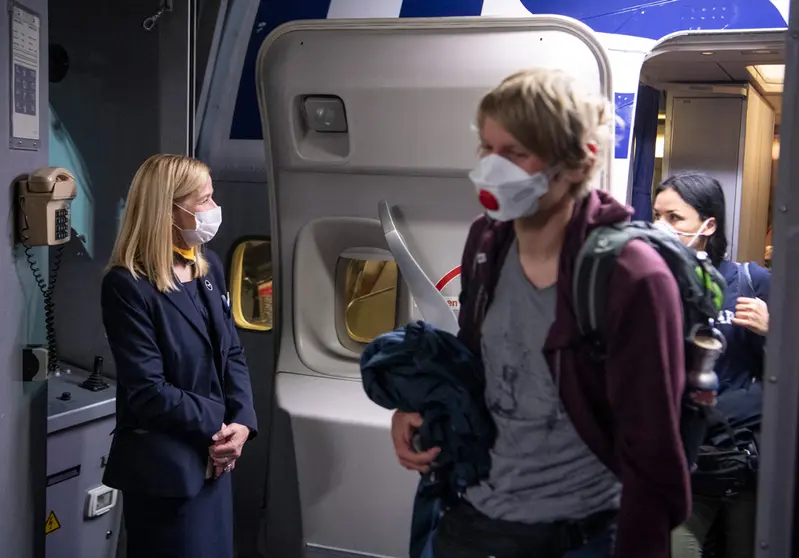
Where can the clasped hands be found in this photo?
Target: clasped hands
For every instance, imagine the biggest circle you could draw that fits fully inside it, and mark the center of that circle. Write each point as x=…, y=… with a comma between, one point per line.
x=227, y=446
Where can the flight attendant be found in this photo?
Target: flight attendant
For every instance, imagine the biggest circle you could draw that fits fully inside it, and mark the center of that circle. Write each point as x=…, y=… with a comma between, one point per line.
x=184, y=401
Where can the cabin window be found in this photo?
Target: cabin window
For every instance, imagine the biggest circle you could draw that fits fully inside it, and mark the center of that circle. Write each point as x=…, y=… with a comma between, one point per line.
x=367, y=289
x=251, y=284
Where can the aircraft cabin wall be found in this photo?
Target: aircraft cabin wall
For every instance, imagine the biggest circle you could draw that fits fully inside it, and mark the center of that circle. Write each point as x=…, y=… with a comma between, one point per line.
x=119, y=102
x=730, y=137
x=111, y=115
x=22, y=404
x=108, y=103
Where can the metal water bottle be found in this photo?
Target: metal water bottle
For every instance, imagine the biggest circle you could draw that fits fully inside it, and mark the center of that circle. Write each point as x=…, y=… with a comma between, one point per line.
x=702, y=352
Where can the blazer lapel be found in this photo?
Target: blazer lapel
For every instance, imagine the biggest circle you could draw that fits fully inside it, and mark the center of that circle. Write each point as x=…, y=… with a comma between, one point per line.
x=182, y=302
x=212, y=296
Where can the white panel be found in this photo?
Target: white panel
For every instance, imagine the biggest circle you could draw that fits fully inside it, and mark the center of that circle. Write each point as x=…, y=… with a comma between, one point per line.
x=704, y=134
x=411, y=95
x=504, y=8
x=410, y=90
x=354, y=494
x=782, y=6
x=361, y=9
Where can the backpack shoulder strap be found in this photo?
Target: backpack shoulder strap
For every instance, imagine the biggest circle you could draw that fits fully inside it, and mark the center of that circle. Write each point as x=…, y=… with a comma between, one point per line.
x=743, y=272
x=592, y=271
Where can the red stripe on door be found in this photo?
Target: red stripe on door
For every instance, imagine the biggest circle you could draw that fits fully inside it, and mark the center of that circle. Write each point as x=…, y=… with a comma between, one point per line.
x=444, y=281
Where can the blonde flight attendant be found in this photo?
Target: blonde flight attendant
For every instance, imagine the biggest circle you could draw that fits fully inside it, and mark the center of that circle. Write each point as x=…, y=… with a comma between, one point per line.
x=184, y=402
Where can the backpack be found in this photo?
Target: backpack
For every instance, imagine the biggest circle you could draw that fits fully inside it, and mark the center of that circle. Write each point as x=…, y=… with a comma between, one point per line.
x=701, y=289
x=727, y=461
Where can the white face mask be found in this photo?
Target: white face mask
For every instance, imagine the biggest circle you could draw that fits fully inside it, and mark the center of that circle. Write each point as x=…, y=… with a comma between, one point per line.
x=505, y=190
x=207, y=226
x=663, y=225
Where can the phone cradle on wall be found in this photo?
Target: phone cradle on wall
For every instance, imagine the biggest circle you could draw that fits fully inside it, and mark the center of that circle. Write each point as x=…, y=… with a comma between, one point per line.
x=43, y=203
x=44, y=200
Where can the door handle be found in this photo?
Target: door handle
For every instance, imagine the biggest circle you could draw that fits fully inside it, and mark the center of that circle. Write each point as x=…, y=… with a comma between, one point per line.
x=434, y=308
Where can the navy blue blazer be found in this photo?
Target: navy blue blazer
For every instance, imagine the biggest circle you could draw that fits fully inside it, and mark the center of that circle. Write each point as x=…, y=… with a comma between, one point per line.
x=178, y=381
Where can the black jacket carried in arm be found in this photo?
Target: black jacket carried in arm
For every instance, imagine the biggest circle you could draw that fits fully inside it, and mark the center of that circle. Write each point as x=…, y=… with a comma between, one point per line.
x=419, y=369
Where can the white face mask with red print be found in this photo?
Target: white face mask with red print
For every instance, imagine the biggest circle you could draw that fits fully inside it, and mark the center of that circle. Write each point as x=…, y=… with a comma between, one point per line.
x=505, y=190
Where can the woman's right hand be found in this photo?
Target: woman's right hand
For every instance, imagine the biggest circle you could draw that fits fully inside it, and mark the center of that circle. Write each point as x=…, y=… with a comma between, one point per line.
x=222, y=468
x=403, y=426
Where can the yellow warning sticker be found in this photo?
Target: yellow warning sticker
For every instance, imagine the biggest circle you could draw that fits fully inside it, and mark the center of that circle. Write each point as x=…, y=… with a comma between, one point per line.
x=52, y=524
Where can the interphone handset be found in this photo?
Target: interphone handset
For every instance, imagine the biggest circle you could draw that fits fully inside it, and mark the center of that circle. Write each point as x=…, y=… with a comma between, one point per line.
x=44, y=219
x=43, y=202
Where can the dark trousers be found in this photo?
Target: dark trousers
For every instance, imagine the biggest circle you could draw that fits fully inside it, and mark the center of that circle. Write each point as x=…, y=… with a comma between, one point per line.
x=464, y=532
x=738, y=515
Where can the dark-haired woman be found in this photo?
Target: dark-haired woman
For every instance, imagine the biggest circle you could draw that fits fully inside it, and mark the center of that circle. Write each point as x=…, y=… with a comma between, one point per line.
x=692, y=205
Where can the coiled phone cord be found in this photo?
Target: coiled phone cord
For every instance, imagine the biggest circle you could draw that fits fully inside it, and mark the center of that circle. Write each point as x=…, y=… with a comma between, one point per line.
x=46, y=289
x=49, y=304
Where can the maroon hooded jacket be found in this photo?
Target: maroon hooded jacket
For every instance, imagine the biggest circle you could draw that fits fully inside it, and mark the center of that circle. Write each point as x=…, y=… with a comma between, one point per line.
x=628, y=410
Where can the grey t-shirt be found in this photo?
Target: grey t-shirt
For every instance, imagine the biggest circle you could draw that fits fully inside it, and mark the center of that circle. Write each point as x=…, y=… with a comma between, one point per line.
x=541, y=470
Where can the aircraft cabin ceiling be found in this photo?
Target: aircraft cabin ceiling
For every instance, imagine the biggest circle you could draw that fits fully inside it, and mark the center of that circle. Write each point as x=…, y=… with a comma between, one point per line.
x=755, y=66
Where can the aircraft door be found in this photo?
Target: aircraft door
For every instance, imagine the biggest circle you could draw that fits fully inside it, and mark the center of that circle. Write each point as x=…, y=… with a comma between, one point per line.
x=369, y=136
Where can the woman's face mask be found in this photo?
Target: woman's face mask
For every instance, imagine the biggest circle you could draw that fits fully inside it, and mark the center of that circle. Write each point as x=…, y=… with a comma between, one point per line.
x=663, y=225
x=505, y=190
x=207, y=225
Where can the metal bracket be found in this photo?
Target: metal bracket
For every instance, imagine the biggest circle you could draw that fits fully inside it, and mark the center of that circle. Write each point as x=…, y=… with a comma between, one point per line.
x=150, y=22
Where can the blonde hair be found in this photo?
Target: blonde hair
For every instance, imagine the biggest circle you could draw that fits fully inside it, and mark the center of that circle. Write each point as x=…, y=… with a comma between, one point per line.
x=550, y=116
x=144, y=243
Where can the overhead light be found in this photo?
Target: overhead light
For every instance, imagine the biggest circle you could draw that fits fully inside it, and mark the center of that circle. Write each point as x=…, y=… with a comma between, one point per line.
x=708, y=53
x=772, y=73
x=661, y=116
x=769, y=76
x=758, y=51
x=660, y=146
